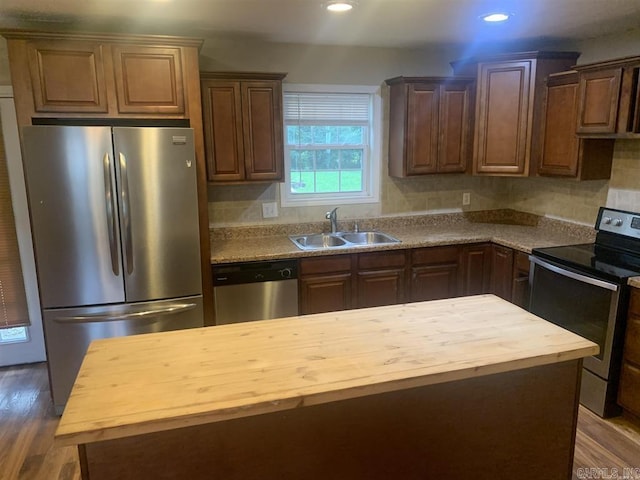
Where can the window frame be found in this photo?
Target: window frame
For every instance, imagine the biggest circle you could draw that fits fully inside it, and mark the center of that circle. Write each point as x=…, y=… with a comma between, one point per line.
x=371, y=167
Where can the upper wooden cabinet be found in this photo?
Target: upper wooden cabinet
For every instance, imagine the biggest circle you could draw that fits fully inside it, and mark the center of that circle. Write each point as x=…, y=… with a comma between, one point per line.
x=609, y=98
x=429, y=125
x=67, y=76
x=509, y=100
x=243, y=126
x=564, y=153
x=148, y=79
x=73, y=75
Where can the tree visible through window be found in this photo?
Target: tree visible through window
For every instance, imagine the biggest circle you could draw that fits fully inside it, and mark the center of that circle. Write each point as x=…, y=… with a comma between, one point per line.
x=326, y=158
x=328, y=147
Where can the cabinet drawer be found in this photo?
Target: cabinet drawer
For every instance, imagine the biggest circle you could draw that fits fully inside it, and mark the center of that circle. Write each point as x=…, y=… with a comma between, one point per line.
x=632, y=340
x=435, y=255
x=329, y=264
x=629, y=393
x=381, y=260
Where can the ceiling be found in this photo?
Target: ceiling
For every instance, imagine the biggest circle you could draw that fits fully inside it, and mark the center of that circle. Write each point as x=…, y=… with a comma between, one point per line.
x=378, y=23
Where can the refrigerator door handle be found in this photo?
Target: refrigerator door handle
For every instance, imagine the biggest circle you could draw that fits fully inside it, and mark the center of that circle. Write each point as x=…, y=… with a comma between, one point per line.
x=126, y=213
x=111, y=218
x=168, y=310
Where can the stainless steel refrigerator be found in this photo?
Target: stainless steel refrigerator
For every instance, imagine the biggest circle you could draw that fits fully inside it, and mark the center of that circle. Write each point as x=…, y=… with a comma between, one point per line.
x=114, y=216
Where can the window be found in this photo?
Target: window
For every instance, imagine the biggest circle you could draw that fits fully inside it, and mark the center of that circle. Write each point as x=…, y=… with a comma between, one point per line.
x=332, y=145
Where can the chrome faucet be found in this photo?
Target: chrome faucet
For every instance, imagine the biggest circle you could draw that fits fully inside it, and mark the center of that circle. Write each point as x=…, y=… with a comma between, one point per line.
x=332, y=216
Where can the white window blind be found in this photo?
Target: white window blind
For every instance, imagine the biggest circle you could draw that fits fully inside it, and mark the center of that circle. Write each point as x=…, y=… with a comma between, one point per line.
x=327, y=108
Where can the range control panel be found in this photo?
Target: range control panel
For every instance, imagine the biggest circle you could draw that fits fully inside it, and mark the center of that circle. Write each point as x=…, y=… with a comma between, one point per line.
x=619, y=221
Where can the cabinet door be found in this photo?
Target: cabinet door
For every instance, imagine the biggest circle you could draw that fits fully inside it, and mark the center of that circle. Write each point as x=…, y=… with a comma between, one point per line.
x=454, y=128
x=520, y=289
x=435, y=273
x=224, y=146
x=561, y=145
x=262, y=123
x=477, y=269
x=501, y=271
x=325, y=293
x=503, y=120
x=149, y=80
x=67, y=77
x=422, y=128
x=599, y=93
x=382, y=287
x=629, y=391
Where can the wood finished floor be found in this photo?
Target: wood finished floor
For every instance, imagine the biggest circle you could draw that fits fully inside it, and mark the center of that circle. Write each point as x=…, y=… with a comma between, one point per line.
x=27, y=425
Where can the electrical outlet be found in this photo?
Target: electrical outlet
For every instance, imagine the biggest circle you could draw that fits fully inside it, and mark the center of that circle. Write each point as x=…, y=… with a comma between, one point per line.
x=466, y=198
x=269, y=210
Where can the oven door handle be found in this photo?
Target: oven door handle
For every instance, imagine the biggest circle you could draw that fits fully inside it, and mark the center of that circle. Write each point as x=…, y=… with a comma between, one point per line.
x=573, y=275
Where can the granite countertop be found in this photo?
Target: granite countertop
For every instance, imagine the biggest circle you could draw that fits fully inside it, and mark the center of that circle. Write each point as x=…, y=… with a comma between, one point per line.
x=517, y=231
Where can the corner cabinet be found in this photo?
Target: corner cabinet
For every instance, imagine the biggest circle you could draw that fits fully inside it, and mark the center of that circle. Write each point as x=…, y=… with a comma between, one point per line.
x=609, y=99
x=429, y=125
x=565, y=154
x=243, y=126
x=508, y=116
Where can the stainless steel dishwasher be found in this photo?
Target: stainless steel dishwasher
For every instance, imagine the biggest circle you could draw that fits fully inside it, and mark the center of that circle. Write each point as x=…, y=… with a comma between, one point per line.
x=255, y=291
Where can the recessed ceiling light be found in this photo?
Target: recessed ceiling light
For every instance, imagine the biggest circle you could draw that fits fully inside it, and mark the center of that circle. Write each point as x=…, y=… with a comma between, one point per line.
x=496, y=17
x=339, y=6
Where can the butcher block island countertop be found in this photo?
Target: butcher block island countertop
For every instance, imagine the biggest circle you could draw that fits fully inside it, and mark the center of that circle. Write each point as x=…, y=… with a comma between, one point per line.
x=137, y=385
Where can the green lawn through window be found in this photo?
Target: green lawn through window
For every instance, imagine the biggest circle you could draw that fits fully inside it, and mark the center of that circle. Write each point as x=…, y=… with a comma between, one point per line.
x=326, y=181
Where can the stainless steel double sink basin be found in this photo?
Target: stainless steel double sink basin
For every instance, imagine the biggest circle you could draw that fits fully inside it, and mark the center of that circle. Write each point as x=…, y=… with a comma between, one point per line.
x=336, y=240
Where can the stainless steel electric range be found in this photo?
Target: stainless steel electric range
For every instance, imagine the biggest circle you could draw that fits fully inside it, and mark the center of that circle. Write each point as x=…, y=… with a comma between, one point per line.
x=583, y=288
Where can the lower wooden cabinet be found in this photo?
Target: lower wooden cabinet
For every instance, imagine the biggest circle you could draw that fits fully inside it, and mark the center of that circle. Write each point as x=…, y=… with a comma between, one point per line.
x=629, y=391
x=341, y=282
x=476, y=269
x=520, y=288
x=381, y=278
x=325, y=284
x=435, y=273
x=501, y=271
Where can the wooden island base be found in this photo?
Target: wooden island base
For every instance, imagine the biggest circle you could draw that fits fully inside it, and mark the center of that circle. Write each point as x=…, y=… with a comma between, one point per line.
x=514, y=425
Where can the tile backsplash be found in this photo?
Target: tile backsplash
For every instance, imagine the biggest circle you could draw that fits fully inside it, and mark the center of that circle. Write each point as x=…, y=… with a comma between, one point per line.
x=555, y=198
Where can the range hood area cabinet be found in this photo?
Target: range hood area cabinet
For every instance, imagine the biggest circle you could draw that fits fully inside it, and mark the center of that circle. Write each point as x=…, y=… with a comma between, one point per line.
x=509, y=108
x=565, y=154
x=609, y=96
x=429, y=125
x=243, y=126
x=101, y=76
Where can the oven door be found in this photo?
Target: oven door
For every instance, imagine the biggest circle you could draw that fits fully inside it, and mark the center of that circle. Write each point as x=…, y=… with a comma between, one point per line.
x=583, y=304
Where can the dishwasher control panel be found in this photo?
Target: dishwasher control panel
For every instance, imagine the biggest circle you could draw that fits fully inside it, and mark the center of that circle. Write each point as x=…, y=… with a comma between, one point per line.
x=253, y=272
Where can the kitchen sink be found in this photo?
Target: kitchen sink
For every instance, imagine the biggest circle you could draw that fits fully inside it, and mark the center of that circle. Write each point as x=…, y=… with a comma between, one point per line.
x=319, y=241
x=368, y=238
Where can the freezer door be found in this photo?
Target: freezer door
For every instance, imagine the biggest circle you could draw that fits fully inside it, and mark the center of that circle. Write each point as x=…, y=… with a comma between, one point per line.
x=156, y=171
x=70, y=331
x=70, y=180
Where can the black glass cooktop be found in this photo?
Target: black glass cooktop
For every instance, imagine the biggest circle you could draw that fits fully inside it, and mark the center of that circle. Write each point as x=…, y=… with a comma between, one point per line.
x=590, y=258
